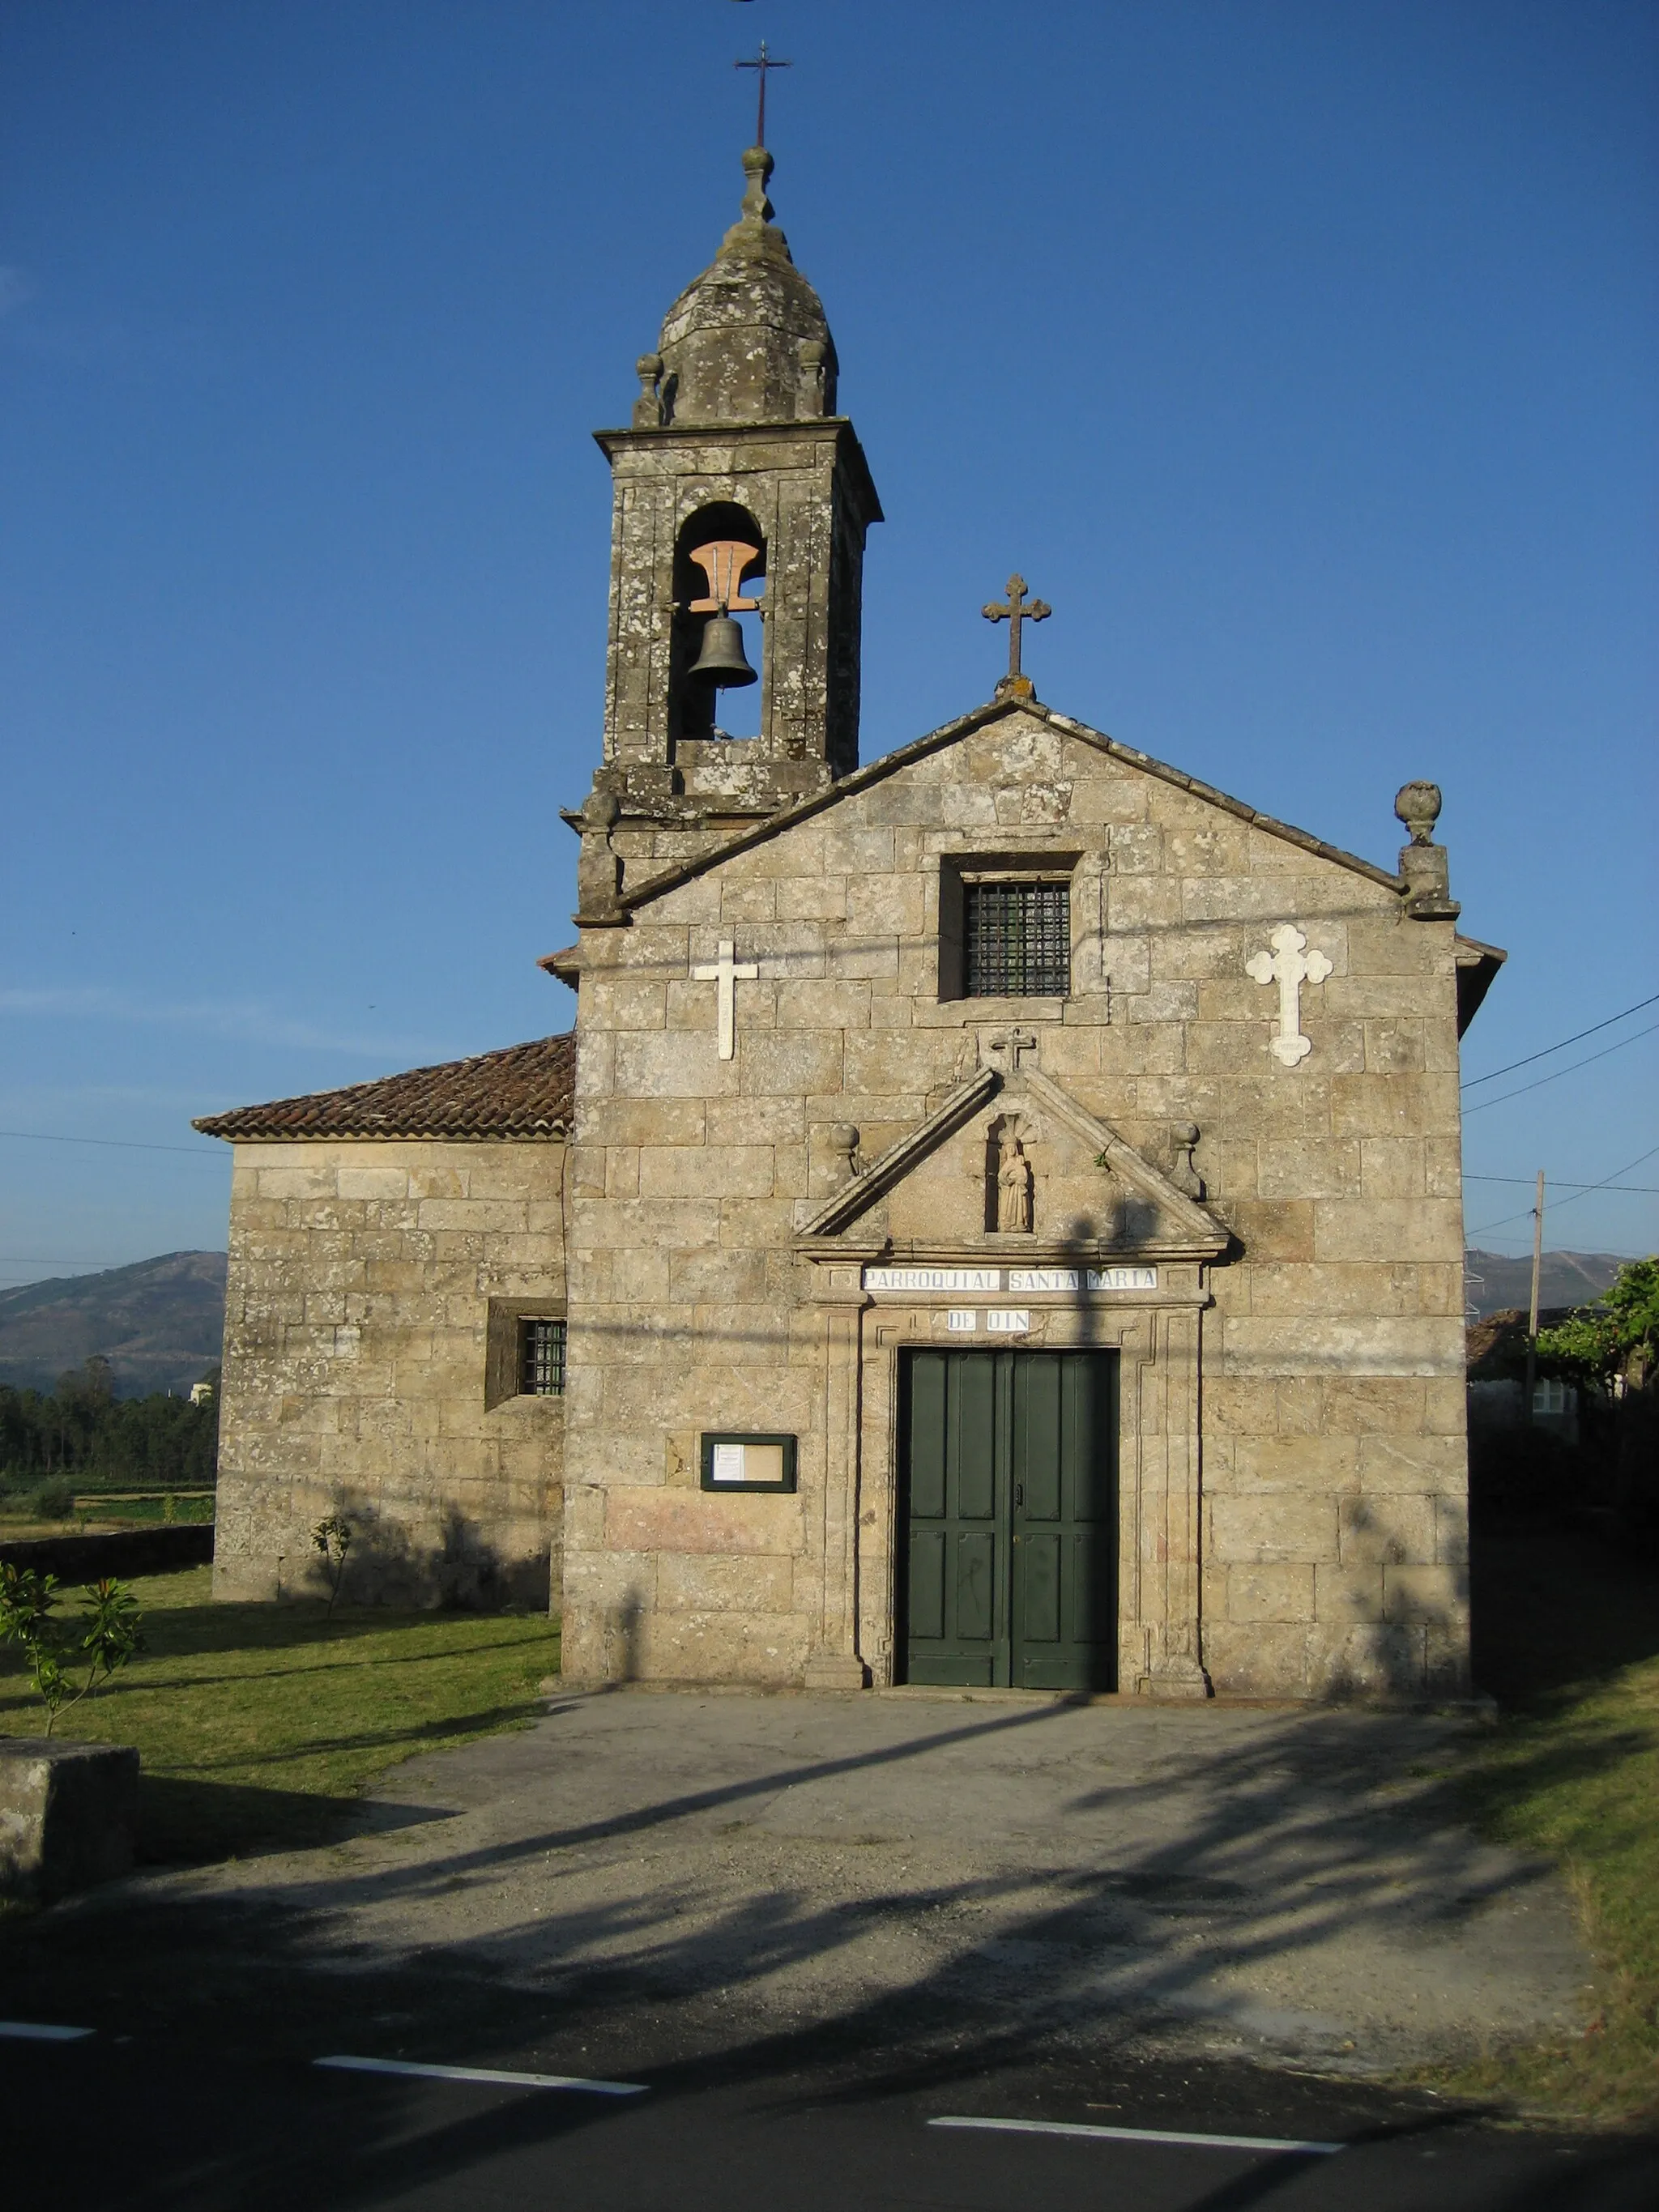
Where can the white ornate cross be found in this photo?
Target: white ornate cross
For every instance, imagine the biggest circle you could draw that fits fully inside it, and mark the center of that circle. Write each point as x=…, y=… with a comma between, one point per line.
x=1289, y=964
x=726, y=973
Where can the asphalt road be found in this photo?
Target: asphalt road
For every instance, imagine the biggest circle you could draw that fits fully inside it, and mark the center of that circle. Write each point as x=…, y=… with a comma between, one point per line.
x=805, y=1933
x=198, y=2091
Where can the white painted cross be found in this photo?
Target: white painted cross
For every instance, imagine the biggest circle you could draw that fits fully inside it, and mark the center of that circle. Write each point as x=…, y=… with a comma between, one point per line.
x=1289, y=964
x=726, y=972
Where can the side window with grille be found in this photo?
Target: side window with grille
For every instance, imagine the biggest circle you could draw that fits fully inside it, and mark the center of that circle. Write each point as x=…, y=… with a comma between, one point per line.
x=541, y=1359
x=525, y=1356
x=1017, y=940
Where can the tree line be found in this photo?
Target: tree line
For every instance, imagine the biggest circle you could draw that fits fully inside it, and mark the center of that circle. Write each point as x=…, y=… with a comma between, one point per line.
x=82, y=1432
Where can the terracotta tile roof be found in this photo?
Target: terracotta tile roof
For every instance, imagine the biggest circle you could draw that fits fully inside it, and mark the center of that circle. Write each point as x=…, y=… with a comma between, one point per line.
x=526, y=1090
x=1496, y=1346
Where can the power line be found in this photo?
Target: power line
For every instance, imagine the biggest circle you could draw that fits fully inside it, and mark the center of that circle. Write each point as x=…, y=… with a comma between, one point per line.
x=1588, y=1061
x=1644, y=1189
x=1474, y=1081
x=113, y=1144
x=1584, y=1192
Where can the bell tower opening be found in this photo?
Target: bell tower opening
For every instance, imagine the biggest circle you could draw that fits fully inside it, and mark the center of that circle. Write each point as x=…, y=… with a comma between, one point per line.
x=717, y=679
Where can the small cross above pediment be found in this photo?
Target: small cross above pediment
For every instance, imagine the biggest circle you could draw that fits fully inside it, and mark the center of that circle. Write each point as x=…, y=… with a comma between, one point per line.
x=1008, y=1048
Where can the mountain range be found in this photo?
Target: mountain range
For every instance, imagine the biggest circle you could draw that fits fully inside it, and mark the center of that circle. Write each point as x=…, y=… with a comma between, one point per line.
x=1494, y=1283
x=159, y=1322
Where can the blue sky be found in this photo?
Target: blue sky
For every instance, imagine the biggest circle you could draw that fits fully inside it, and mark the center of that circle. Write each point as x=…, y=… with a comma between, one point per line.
x=1301, y=356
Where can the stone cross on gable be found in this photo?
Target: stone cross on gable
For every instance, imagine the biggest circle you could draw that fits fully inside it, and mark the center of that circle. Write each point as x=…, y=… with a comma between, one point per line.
x=1017, y=610
x=1289, y=964
x=726, y=973
x=1013, y=1045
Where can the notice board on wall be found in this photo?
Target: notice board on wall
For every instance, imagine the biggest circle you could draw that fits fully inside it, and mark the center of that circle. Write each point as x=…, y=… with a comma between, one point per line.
x=748, y=1460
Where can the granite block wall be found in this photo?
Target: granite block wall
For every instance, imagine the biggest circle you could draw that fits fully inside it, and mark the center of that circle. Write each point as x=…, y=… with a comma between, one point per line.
x=357, y=1370
x=1332, y=1484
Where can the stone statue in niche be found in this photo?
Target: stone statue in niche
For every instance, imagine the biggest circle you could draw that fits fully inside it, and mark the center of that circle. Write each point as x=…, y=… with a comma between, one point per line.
x=1014, y=1186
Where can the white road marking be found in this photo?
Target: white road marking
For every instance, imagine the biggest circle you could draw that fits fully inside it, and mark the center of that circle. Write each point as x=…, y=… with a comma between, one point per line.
x=1142, y=2135
x=484, y=2074
x=31, y=2031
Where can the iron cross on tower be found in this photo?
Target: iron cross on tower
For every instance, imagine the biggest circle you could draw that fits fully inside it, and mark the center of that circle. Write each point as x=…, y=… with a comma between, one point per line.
x=1016, y=612
x=761, y=63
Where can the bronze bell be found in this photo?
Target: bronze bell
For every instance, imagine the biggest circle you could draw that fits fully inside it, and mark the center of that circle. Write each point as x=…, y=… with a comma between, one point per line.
x=722, y=662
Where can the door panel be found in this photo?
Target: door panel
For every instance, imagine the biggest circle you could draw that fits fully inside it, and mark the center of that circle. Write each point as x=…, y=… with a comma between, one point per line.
x=976, y=1591
x=928, y=1584
x=1038, y=1568
x=1009, y=1509
x=1064, y=1629
x=971, y=1455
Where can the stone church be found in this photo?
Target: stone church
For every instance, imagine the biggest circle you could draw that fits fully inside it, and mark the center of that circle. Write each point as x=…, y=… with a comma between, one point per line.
x=996, y=1221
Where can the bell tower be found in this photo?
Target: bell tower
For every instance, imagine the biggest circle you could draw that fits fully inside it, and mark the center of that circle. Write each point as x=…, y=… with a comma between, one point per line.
x=742, y=500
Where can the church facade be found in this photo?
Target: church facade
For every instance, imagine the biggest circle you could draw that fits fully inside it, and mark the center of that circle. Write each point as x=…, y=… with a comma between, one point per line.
x=1001, y=1221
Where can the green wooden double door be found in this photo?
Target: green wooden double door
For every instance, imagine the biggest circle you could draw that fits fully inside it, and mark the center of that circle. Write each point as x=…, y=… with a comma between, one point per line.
x=1009, y=1509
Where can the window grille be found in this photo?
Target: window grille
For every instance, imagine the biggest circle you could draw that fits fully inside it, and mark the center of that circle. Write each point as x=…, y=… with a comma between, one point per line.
x=1020, y=940
x=541, y=1359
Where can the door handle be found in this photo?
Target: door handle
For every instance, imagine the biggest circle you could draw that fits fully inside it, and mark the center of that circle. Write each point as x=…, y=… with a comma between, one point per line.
x=1019, y=1493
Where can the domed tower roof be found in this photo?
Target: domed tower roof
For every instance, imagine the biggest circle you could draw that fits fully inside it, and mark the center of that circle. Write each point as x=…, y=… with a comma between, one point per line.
x=747, y=341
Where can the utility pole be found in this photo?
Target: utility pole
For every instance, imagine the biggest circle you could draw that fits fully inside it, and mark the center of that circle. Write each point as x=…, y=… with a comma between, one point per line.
x=1532, y=1317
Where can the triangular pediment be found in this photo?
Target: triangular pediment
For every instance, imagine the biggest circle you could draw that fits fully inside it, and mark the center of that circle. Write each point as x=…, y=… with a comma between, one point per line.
x=1016, y=712
x=938, y=1191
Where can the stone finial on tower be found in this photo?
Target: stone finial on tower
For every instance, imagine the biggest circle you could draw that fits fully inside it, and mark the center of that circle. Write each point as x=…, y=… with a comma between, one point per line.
x=647, y=408
x=1423, y=868
x=754, y=231
x=734, y=344
x=1418, y=805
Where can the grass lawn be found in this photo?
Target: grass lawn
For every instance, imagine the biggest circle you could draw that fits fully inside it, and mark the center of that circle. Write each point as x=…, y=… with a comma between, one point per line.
x=258, y=1724
x=1567, y=1639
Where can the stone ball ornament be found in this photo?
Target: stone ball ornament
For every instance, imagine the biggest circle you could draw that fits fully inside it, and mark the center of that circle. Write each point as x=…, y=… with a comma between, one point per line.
x=1418, y=805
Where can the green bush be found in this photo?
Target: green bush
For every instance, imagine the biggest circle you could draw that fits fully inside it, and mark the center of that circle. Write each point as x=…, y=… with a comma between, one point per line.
x=55, y=1501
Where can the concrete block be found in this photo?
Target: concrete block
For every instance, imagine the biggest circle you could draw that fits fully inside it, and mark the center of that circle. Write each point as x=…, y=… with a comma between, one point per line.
x=1347, y=1593
x=1308, y=1346
x=725, y=1647
x=1373, y=1660
x=723, y=1171
x=1425, y=1464
x=822, y=1004
x=1436, y=1595
x=1391, y=1530
x=703, y=1582
x=1308, y=1167
x=1272, y=1530
x=1303, y=1463
x=697, y=1520
x=1451, y=1530
x=1236, y=1406
x=1388, y=1231
x=886, y=906
x=1257, y=1659
x=748, y=901
x=623, y=1001
x=789, y=1063
x=1367, y=1405
x=812, y=898
x=1271, y=1593
x=68, y=1815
